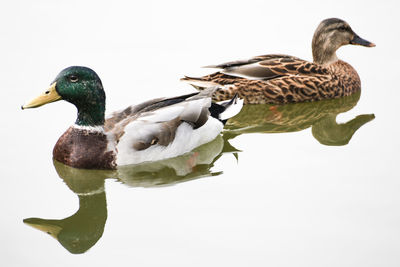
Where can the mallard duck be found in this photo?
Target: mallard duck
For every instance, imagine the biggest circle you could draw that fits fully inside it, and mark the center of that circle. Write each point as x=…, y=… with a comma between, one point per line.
x=280, y=79
x=82, y=230
x=154, y=130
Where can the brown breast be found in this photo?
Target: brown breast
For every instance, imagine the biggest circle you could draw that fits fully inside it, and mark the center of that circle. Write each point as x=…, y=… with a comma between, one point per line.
x=347, y=76
x=84, y=149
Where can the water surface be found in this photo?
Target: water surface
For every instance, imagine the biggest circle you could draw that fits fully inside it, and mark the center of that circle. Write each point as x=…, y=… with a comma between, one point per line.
x=77, y=233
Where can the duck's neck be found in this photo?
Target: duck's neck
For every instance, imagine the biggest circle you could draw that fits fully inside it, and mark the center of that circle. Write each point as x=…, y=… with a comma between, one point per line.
x=90, y=115
x=323, y=54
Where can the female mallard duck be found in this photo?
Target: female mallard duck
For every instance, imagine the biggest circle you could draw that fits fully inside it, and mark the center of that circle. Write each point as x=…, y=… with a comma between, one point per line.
x=279, y=79
x=157, y=129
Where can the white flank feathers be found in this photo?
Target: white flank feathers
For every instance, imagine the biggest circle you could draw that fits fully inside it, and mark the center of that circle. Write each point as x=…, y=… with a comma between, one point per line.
x=186, y=139
x=149, y=124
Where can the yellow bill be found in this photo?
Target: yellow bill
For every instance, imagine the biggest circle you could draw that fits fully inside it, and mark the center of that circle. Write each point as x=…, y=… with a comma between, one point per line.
x=44, y=226
x=50, y=95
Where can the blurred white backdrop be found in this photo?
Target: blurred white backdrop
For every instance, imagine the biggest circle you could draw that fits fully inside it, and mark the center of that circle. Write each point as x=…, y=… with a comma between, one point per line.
x=288, y=202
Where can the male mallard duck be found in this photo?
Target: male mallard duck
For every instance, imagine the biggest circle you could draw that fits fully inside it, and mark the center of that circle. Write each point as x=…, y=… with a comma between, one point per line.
x=279, y=79
x=157, y=129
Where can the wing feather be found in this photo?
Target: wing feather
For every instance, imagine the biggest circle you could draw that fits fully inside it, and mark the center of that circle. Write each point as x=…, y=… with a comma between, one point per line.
x=159, y=115
x=267, y=67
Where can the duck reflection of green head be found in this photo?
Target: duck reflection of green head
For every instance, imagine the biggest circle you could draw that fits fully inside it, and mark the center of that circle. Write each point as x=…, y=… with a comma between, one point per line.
x=80, y=231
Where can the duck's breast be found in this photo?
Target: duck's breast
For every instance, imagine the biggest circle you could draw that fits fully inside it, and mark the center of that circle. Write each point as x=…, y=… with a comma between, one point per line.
x=86, y=148
x=348, y=79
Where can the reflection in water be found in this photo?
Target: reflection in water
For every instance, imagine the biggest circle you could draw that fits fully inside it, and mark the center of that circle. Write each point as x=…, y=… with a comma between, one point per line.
x=320, y=115
x=190, y=166
x=79, y=232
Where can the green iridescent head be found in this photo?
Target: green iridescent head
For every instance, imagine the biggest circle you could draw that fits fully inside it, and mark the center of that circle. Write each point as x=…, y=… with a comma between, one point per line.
x=80, y=86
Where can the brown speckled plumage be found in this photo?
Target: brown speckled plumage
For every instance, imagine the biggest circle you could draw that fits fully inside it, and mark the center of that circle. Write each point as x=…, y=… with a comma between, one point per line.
x=339, y=79
x=281, y=79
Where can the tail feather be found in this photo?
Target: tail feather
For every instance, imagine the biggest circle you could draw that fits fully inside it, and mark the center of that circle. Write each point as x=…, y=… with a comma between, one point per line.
x=205, y=92
x=198, y=83
x=227, y=109
x=232, y=107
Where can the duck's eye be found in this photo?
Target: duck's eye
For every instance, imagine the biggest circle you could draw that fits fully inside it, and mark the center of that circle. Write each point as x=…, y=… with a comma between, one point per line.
x=73, y=78
x=342, y=28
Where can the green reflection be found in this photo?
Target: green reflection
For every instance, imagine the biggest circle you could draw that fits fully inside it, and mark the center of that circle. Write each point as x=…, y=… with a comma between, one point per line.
x=82, y=230
x=79, y=232
x=320, y=115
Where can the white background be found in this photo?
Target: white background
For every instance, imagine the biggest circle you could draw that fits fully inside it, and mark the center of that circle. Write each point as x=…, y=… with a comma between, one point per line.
x=288, y=202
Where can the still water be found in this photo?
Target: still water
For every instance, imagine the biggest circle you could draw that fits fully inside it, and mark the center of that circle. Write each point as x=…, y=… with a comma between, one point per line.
x=301, y=179
x=81, y=231
x=309, y=184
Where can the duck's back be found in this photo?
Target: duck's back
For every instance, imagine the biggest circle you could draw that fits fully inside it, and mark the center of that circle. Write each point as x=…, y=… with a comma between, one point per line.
x=164, y=128
x=281, y=79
